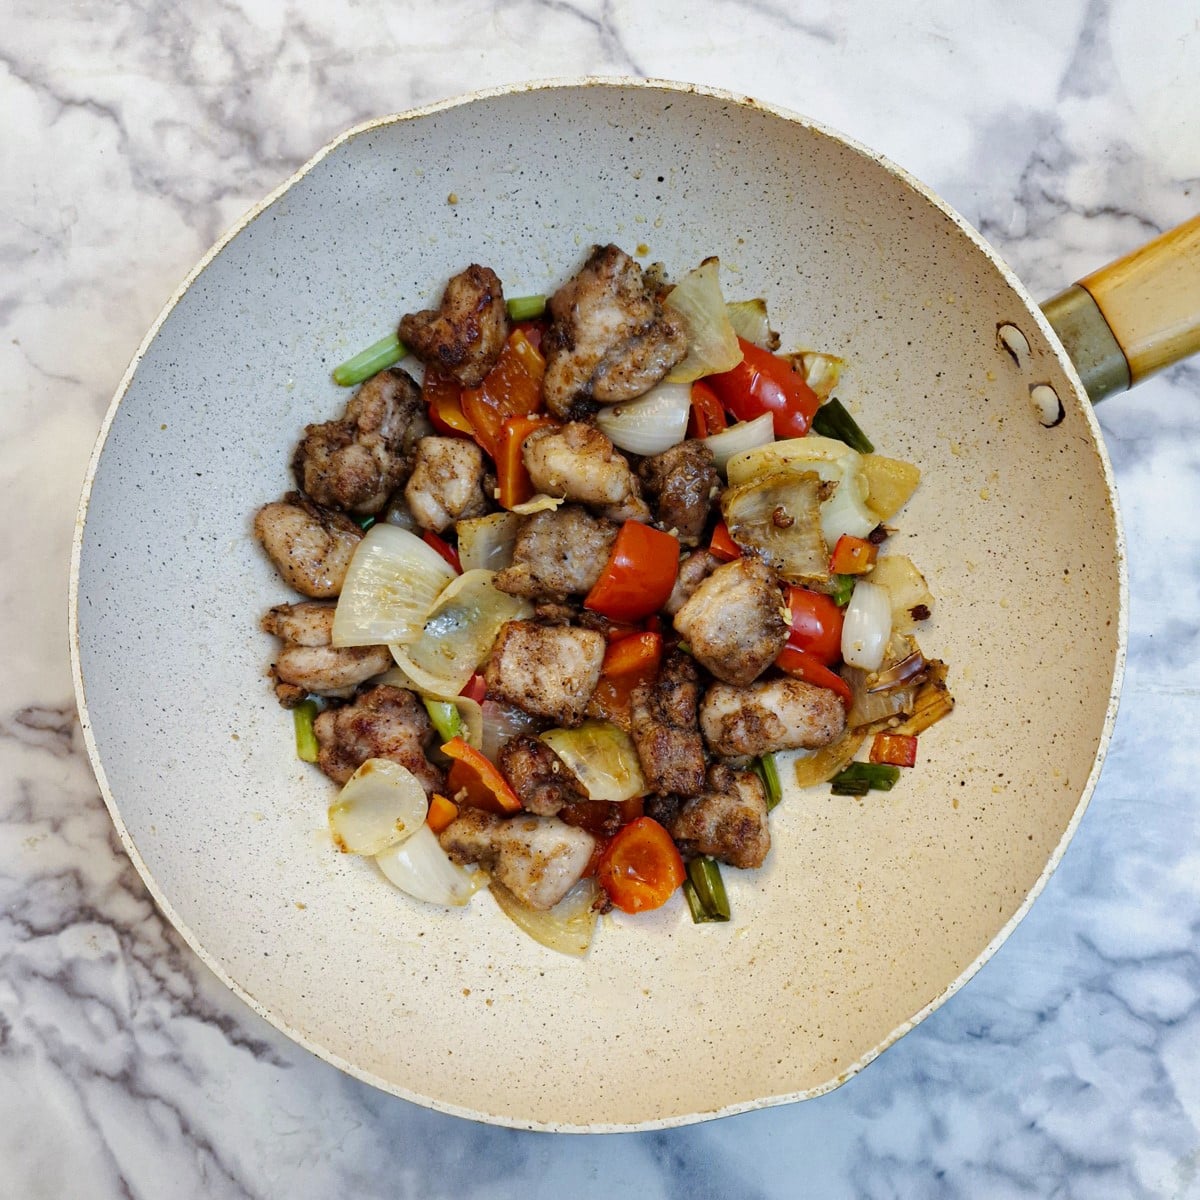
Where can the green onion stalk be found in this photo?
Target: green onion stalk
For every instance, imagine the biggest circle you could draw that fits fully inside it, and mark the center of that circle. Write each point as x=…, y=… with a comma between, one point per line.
x=371, y=361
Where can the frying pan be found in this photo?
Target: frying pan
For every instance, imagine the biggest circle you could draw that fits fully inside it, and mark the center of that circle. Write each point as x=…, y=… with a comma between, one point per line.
x=869, y=913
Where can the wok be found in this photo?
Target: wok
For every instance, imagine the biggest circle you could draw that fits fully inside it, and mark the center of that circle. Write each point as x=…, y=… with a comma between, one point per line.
x=870, y=913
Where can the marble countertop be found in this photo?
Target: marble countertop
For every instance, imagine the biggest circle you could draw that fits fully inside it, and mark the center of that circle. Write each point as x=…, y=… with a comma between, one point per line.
x=1067, y=133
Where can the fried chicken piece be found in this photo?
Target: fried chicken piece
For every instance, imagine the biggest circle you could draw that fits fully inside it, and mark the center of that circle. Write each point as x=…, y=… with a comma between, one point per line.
x=539, y=859
x=770, y=715
x=558, y=554
x=610, y=339
x=728, y=821
x=447, y=482
x=681, y=483
x=309, y=663
x=694, y=569
x=550, y=671
x=383, y=722
x=538, y=775
x=580, y=463
x=734, y=621
x=665, y=729
x=311, y=546
x=356, y=462
x=464, y=335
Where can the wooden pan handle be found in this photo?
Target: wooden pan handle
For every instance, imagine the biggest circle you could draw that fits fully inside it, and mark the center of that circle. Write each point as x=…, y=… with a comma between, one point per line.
x=1151, y=300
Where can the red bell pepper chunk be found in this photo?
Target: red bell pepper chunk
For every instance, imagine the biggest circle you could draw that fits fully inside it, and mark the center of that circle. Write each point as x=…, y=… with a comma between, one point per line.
x=639, y=574
x=602, y=818
x=477, y=777
x=441, y=812
x=443, y=400
x=761, y=383
x=628, y=662
x=852, y=556
x=512, y=478
x=722, y=545
x=448, y=552
x=898, y=749
x=475, y=690
x=816, y=625
x=640, y=867
x=635, y=653
x=707, y=415
x=512, y=388
x=803, y=666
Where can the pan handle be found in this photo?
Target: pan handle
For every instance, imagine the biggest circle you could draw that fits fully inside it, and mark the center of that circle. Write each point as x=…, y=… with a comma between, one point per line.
x=1135, y=316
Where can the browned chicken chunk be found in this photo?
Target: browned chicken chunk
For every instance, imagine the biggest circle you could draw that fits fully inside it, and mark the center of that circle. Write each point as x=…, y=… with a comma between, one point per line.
x=384, y=722
x=311, y=546
x=538, y=776
x=728, y=821
x=308, y=662
x=611, y=338
x=773, y=714
x=681, y=483
x=539, y=859
x=734, y=621
x=549, y=671
x=558, y=554
x=447, y=482
x=464, y=335
x=579, y=462
x=665, y=729
x=356, y=462
x=694, y=569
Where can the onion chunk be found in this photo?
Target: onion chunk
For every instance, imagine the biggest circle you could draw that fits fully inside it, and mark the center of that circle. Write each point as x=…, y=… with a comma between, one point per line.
x=381, y=805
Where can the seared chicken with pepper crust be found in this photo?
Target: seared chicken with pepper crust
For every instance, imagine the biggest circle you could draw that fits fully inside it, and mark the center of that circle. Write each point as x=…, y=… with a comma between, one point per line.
x=727, y=821
x=579, y=463
x=538, y=776
x=447, y=482
x=539, y=859
x=550, y=671
x=665, y=729
x=680, y=484
x=308, y=661
x=356, y=462
x=734, y=621
x=557, y=554
x=384, y=722
x=771, y=715
x=311, y=546
x=464, y=335
x=610, y=339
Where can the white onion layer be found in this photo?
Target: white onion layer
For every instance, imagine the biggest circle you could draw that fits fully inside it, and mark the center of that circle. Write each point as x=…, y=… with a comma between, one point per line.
x=745, y=435
x=421, y=868
x=381, y=805
x=867, y=626
x=651, y=424
x=393, y=581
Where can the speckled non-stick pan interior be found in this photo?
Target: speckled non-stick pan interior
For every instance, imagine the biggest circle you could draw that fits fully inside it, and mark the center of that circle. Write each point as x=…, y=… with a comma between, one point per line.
x=869, y=911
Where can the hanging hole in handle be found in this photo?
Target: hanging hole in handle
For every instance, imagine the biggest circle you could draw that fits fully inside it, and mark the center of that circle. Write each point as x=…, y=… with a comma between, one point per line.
x=1047, y=405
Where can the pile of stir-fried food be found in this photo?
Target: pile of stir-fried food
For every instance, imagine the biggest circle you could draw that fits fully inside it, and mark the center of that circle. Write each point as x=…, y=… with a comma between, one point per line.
x=570, y=596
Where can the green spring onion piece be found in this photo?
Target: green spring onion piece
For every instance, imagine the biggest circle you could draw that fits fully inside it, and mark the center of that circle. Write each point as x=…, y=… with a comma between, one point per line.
x=859, y=777
x=700, y=915
x=832, y=420
x=364, y=523
x=303, y=716
x=370, y=361
x=768, y=771
x=843, y=589
x=525, y=308
x=704, y=874
x=445, y=717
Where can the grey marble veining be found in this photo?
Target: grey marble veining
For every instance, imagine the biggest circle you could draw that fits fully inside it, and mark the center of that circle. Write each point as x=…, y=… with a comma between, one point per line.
x=1069, y=1067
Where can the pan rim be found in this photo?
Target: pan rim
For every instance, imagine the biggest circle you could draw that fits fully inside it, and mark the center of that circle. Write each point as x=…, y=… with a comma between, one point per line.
x=261, y=207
